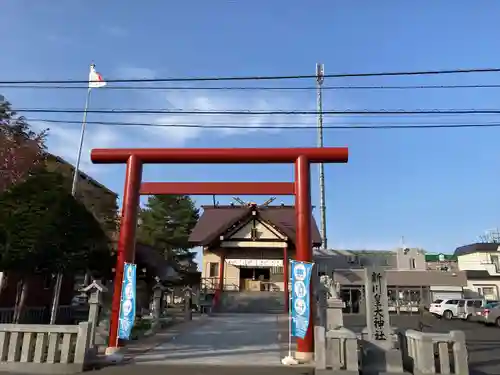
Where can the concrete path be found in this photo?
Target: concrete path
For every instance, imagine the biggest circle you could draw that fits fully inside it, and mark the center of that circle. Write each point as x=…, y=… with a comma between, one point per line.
x=229, y=339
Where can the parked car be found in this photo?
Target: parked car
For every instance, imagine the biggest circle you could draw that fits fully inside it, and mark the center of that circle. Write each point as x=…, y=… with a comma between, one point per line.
x=490, y=314
x=478, y=312
x=463, y=308
x=467, y=308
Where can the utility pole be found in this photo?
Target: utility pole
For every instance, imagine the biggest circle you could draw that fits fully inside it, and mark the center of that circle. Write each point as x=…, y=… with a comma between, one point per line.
x=320, y=74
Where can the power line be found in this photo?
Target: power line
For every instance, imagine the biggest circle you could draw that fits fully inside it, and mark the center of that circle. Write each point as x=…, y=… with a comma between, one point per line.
x=250, y=88
x=255, y=112
x=280, y=126
x=262, y=78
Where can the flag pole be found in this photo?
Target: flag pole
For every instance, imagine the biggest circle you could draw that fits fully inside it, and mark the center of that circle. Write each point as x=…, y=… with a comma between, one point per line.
x=59, y=277
x=80, y=147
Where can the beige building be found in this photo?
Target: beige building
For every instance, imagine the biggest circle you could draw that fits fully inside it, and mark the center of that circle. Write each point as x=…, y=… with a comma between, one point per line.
x=481, y=263
x=410, y=282
x=244, y=247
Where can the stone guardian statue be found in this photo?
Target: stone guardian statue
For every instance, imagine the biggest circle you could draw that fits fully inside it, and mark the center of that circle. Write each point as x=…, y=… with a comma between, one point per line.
x=331, y=288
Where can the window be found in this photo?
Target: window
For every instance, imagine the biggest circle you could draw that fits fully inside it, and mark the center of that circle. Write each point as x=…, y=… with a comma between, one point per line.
x=488, y=290
x=478, y=303
x=277, y=270
x=412, y=264
x=496, y=262
x=451, y=302
x=322, y=269
x=470, y=303
x=213, y=269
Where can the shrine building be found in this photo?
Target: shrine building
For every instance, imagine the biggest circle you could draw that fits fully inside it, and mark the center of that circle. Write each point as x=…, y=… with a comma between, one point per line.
x=244, y=246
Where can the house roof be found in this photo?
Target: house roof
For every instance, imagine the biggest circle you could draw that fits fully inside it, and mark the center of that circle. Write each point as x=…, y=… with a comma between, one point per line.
x=404, y=278
x=81, y=174
x=480, y=274
x=150, y=258
x=476, y=248
x=217, y=220
x=350, y=252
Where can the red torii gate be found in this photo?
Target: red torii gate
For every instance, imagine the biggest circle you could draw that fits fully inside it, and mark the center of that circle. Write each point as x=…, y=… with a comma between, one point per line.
x=301, y=188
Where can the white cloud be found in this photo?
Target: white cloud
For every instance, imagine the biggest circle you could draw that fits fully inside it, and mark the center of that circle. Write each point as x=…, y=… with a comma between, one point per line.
x=63, y=139
x=217, y=101
x=209, y=100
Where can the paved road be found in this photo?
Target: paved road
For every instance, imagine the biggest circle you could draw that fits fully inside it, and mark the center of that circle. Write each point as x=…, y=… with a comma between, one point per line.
x=247, y=340
x=223, y=340
x=232, y=344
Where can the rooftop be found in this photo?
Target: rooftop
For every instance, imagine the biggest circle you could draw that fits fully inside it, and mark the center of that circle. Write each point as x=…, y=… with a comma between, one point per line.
x=216, y=220
x=476, y=248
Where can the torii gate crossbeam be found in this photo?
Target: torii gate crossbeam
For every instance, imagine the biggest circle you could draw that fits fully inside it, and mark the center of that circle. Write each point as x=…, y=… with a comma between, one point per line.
x=136, y=158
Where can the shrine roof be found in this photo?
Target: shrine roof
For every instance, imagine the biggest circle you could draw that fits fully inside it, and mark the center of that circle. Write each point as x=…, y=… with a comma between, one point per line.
x=216, y=220
x=156, y=264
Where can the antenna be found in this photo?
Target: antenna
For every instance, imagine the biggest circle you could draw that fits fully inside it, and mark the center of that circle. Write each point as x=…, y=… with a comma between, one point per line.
x=268, y=202
x=239, y=200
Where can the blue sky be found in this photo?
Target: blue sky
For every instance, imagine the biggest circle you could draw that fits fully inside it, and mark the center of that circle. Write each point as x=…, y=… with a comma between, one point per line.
x=437, y=188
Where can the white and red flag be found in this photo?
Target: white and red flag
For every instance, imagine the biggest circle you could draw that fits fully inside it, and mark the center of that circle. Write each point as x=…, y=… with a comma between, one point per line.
x=95, y=79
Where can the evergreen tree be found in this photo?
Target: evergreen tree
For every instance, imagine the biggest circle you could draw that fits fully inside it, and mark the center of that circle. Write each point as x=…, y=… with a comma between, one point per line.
x=43, y=229
x=166, y=222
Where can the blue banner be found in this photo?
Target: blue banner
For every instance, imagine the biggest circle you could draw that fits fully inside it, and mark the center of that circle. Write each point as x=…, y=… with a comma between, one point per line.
x=301, y=297
x=128, y=298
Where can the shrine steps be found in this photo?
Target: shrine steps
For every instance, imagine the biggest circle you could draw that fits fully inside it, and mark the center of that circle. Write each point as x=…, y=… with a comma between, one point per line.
x=253, y=302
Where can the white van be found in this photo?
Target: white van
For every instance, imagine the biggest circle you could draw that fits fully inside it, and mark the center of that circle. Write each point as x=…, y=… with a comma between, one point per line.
x=455, y=308
x=467, y=307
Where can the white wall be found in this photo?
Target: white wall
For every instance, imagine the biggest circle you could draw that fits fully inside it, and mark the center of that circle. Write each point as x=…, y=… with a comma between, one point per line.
x=475, y=288
x=478, y=262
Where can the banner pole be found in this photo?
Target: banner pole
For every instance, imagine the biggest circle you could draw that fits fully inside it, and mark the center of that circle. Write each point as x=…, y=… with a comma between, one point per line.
x=289, y=321
x=289, y=360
